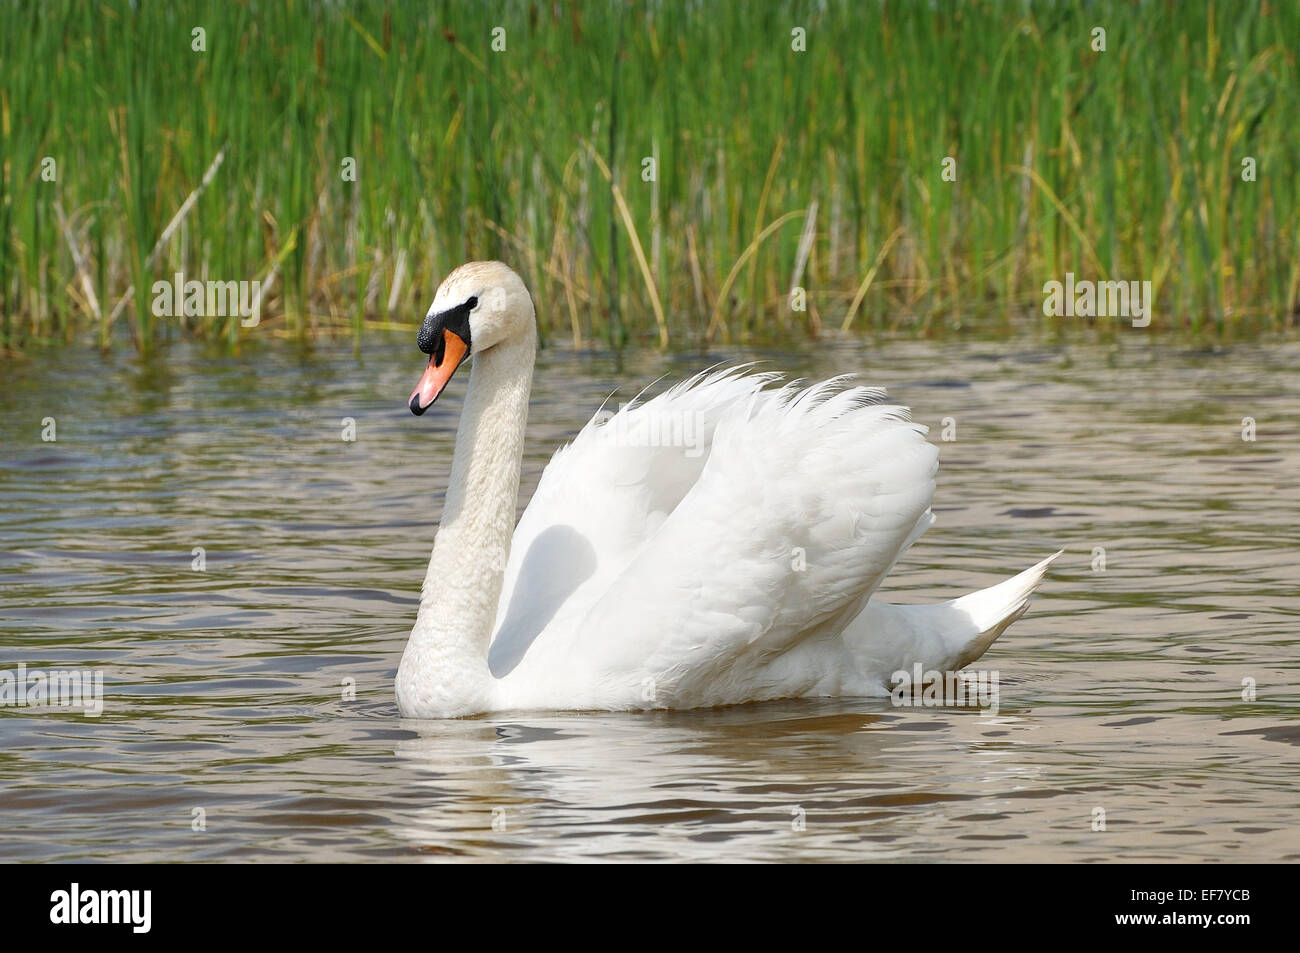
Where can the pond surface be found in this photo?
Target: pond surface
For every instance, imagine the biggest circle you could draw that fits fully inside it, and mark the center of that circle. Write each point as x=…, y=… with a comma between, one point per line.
x=1161, y=688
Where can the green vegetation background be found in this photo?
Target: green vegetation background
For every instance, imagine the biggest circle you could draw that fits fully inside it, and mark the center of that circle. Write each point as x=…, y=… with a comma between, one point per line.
x=774, y=167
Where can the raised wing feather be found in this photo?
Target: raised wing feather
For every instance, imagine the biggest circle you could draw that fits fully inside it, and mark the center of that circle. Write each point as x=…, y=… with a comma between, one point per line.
x=805, y=502
x=600, y=498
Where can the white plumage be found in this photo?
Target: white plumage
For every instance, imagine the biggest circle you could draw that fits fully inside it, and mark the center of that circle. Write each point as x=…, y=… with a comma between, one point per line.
x=716, y=544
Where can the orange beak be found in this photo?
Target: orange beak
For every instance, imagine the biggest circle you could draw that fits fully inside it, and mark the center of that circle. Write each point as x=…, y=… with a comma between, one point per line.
x=442, y=364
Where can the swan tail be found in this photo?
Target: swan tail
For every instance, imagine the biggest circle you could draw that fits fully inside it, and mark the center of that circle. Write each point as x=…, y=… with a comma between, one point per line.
x=990, y=611
x=946, y=635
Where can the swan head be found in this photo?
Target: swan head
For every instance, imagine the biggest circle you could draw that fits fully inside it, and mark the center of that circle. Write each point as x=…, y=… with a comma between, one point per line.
x=477, y=306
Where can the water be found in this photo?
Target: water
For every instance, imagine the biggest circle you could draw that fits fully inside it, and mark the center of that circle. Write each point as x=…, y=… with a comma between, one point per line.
x=1121, y=690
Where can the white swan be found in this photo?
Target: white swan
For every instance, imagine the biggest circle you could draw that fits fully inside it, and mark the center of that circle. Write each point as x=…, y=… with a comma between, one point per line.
x=715, y=545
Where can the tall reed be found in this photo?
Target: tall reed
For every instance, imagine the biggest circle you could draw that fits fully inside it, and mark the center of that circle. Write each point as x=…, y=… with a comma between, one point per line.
x=650, y=168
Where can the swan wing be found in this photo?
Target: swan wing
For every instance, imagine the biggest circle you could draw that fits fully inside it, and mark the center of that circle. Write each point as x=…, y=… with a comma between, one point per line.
x=805, y=501
x=600, y=498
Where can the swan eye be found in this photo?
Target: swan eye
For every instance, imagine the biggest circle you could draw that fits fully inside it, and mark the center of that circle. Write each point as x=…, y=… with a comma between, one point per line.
x=455, y=320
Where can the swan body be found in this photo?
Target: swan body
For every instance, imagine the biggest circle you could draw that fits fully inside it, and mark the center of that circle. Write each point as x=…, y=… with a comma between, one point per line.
x=714, y=545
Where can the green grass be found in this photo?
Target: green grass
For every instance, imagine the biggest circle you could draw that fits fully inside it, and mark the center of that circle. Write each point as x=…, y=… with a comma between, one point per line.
x=1119, y=164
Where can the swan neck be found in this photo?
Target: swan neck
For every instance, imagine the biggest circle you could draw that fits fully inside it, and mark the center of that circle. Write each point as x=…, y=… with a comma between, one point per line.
x=444, y=671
